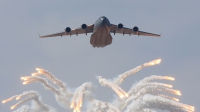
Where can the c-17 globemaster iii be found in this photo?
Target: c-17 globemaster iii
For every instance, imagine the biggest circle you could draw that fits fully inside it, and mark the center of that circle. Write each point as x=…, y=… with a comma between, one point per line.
x=101, y=30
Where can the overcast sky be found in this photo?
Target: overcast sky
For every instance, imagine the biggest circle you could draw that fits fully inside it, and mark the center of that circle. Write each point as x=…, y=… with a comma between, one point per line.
x=75, y=61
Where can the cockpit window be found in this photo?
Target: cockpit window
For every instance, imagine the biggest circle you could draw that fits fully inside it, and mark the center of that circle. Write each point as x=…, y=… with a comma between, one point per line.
x=103, y=17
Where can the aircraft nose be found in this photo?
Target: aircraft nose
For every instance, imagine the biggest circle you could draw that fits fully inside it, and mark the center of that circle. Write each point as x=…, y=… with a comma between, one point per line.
x=103, y=20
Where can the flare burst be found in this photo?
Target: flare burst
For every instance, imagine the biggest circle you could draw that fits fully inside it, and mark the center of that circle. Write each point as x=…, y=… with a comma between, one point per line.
x=145, y=96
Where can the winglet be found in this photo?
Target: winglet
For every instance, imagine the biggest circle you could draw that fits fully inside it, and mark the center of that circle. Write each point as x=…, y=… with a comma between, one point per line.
x=39, y=35
x=157, y=35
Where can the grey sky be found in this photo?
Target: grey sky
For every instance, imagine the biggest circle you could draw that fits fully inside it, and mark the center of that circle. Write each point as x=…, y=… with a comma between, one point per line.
x=75, y=61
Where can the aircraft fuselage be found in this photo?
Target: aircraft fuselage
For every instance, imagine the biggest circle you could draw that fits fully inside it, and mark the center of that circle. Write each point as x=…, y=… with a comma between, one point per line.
x=101, y=34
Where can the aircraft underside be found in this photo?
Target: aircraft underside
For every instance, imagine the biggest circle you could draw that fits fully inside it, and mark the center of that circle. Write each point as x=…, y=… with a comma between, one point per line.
x=101, y=37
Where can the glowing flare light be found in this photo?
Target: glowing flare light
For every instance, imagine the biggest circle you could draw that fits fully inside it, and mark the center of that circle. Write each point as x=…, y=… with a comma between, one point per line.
x=169, y=78
x=142, y=96
x=154, y=62
x=178, y=93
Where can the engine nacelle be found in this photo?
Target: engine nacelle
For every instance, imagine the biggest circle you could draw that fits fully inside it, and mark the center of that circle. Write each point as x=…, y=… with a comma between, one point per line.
x=68, y=29
x=135, y=29
x=120, y=25
x=83, y=26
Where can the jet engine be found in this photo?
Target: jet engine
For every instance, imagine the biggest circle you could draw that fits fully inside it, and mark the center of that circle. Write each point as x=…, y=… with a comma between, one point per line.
x=135, y=29
x=83, y=26
x=68, y=29
x=120, y=25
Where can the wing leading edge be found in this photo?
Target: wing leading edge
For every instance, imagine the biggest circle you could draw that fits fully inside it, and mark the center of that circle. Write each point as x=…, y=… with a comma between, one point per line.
x=88, y=29
x=114, y=29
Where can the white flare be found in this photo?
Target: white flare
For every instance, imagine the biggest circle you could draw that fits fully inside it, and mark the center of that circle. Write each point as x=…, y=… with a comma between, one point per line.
x=121, y=77
x=119, y=91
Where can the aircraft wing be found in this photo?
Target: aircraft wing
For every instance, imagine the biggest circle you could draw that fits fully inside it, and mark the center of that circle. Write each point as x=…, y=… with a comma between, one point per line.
x=114, y=29
x=77, y=31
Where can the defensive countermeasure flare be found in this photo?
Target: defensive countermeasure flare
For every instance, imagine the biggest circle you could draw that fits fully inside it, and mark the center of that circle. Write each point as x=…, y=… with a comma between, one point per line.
x=144, y=96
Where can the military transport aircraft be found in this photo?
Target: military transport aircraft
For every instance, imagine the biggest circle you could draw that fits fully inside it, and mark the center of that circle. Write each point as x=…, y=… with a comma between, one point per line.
x=101, y=30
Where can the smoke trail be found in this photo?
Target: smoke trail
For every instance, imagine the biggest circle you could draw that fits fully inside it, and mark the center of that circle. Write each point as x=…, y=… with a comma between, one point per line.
x=154, y=77
x=25, y=94
x=31, y=79
x=142, y=97
x=147, y=110
x=141, y=89
x=78, y=97
x=65, y=95
x=168, y=97
x=121, y=77
x=100, y=106
x=63, y=100
x=141, y=85
x=22, y=102
x=151, y=101
x=151, y=90
x=9, y=99
x=51, y=77
x=120, y=92
x=17, y=97
x=62, y=96
x=31, y=95
x=23, y=108
x=38, y=106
